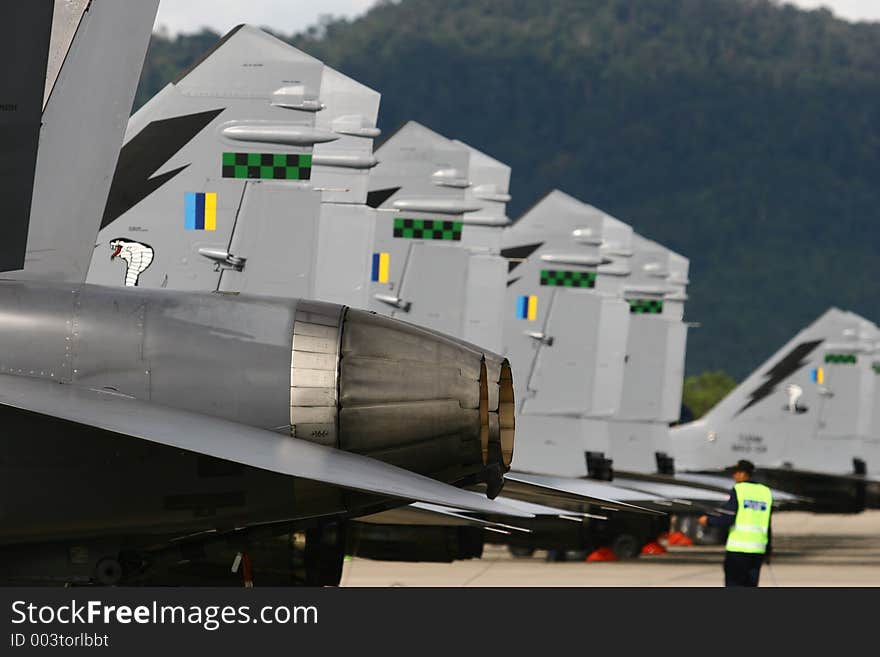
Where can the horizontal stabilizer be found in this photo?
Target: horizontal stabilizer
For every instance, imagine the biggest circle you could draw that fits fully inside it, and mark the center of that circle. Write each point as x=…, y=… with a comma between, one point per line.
x=723, y=482
x=675, y=492
x=544, y=510
x=235, y=442
x=424, y=514
x=558, y=490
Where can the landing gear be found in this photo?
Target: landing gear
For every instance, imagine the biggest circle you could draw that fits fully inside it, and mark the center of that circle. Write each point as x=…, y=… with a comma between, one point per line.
x=494, y=480
x=319, y=554
x=626, y=546
x=689, y=527
x=521, y=552
x=108, y=572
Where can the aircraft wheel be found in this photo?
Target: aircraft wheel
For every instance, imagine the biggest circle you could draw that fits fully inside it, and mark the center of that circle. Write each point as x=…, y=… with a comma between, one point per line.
x=626, y=546
x=325, y=554
x=108, y=572
x=521, y=552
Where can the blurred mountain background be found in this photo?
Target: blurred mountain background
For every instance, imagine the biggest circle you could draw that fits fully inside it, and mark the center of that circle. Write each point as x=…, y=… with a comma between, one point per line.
x=743, y=134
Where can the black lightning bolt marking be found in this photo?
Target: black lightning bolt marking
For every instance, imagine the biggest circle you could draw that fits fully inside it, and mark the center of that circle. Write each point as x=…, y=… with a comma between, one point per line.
x=519, y=253
x=378, y=196
x=790, y=363
x=144, y=154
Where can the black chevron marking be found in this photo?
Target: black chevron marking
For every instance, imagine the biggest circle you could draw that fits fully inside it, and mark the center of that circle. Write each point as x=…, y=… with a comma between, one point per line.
x=519, y=253
x=379, y=196
x=145, y=154
x=790, y=363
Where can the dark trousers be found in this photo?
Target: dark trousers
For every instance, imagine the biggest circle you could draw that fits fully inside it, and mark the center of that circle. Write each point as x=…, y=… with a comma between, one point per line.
x=741, y=569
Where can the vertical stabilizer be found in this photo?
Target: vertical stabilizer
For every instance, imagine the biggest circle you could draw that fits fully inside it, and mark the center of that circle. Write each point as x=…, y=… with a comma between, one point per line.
x=85, y=79
x=654, y=363
x=441, y=206
x=214, y=177
x=25, y=51
x=565, y=330
x=803, y=409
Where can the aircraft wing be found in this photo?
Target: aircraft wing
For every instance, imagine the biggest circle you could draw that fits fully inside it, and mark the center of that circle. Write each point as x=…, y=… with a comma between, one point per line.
x=723, y=483
x=572, y=491
x=422, y=513
x=544, y=510
x=679, y=493
x=124, y=415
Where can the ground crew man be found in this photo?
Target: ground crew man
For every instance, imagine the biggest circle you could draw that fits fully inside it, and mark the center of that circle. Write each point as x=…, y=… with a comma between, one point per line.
x=747, y=515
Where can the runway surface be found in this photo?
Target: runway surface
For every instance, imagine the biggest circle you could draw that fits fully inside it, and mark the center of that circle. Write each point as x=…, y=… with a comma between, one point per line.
x=811, y=550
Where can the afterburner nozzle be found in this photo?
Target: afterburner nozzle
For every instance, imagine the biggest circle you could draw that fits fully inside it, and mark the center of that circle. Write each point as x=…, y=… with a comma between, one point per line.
x=402, y=394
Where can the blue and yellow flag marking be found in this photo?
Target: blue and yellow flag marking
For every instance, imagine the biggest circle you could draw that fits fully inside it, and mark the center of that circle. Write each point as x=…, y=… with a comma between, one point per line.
x=817, y=375
x=381, y=265
x=527, y=307
x=200, y=211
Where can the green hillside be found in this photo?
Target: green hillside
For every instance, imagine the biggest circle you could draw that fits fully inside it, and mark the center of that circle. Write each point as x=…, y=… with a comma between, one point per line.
x=742, y=134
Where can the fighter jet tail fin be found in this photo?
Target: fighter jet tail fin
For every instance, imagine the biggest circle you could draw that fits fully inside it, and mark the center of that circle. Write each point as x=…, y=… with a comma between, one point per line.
x=215, y=174
x=791, y=376
x=811, y=389
x=64, y=109
x=25, y=50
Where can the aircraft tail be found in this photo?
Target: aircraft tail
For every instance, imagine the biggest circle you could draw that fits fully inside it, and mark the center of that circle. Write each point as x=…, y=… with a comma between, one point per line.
x=801, y=409
x=78, y=63
x=213, y=188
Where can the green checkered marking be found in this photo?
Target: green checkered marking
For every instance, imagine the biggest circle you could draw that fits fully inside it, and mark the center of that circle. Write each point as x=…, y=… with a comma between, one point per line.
x=428, y=229
x=267, y=166
x=645, y=306
x=564, y=278
x=841, y=359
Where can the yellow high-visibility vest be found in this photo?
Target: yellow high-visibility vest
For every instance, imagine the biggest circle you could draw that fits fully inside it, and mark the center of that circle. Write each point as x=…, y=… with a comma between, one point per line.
x=750, y=530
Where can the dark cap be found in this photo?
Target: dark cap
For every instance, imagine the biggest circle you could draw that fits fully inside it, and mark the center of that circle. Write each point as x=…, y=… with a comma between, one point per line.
x=744, y=466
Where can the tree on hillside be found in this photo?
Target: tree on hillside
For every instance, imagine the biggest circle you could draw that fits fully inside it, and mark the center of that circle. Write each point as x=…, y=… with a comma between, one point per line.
x=702, y=391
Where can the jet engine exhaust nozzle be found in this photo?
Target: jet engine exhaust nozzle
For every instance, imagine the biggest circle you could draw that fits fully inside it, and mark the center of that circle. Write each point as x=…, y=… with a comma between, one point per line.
x=402, y=394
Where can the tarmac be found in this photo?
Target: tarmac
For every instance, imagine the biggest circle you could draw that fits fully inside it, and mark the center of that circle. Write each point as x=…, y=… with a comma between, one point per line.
x=810, y=550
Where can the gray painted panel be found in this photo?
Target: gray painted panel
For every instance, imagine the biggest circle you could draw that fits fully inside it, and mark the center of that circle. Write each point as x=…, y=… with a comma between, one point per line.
x=644, y=373
x=351, y=112
x=633, y=444
x=344, y=263
x=83, y=125
x=434, y=283
x=673, y=381
x=564, y=376
x=277, y=233
x=557, y=444
x=611, y=356
x=236, y=346
x=484, y=302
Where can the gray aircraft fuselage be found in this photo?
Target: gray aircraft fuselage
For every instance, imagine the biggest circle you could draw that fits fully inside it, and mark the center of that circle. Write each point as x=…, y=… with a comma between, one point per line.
x=238, y=358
